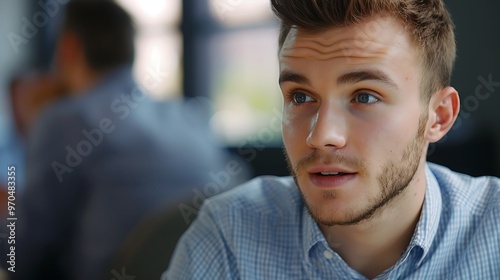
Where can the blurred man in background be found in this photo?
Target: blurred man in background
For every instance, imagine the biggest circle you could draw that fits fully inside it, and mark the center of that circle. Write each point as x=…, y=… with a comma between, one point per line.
x=104, y=159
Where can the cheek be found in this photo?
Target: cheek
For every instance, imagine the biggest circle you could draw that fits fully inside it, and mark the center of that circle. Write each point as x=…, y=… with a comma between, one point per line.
x=295, y=131
x=385, y=138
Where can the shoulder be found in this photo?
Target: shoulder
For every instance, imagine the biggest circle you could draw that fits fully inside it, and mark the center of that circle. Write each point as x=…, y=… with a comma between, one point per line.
x=264, y=202
x=63, y=115
x=86, y=109
x=470, y=221
x=474, y=194
x=232, y=225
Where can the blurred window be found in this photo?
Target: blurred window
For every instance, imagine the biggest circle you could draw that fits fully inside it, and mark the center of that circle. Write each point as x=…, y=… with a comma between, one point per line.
x=230, y=57
x=244, y=72
x=240, y=12
x=158, y=44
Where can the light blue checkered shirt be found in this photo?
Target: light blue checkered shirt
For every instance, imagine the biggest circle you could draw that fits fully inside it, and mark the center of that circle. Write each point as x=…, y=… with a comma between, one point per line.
x=262, y=230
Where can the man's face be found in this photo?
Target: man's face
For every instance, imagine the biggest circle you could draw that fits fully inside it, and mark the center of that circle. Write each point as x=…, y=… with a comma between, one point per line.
x=353, y=121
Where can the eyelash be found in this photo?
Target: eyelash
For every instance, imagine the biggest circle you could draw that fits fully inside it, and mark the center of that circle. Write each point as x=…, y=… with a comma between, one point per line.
x=290, y=97
x=367, y=92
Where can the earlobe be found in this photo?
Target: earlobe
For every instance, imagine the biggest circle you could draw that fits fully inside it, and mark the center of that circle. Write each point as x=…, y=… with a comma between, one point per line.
x=444, y=107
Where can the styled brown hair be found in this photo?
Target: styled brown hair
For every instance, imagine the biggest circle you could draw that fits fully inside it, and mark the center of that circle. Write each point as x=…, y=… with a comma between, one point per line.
x=427, y=22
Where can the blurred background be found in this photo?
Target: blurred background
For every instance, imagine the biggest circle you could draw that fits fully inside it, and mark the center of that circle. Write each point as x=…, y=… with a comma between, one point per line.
x=222, y=54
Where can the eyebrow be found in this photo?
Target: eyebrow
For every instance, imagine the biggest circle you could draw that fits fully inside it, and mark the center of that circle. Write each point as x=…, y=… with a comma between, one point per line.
x=288, y=76
x=365, y=75
x=347, y=78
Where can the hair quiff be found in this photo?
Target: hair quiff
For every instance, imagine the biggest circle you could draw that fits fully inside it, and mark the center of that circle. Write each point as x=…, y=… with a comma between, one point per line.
x=427, y=22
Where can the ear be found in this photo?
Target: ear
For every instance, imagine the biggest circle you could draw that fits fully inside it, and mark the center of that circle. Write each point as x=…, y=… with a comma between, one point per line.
x=444, y=107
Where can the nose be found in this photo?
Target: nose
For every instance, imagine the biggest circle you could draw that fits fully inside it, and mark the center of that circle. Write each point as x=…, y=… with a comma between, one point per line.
x=328, y=128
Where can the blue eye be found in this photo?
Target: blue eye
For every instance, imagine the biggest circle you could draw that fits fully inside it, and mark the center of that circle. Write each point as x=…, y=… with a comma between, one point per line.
x=300, y=98
x=365, y=98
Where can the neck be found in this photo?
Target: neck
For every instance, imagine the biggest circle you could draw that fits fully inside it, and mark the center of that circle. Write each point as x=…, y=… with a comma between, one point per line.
x=374, y=245
x=83, y=79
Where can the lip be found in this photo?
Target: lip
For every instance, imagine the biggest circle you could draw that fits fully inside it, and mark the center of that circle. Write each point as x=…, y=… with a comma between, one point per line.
x=327, y=168
x=330, y=181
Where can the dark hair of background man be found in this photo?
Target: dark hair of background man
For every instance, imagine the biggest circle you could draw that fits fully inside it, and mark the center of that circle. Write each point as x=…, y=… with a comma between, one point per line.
x=106, y=33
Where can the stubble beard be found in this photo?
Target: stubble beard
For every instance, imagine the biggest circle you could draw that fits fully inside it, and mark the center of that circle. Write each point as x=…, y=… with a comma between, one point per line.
x=393, y=180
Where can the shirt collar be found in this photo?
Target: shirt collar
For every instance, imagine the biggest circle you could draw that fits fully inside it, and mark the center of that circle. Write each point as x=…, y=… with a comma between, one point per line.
x=120, y=76
x=425, y=230
x=311, y=234
x=428, y=224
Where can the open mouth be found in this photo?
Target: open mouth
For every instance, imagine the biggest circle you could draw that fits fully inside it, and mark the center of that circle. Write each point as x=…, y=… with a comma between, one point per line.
x=331, y=179
x=331, y=173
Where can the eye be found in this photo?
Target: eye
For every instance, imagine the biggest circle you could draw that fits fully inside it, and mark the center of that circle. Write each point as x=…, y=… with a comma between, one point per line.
x=365, y=98
x=299, y=98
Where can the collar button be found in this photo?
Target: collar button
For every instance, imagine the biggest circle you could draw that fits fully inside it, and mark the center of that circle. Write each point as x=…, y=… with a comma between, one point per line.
x=327, y=254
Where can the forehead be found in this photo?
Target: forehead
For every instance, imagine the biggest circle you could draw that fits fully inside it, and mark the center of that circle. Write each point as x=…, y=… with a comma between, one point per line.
x=375, y=37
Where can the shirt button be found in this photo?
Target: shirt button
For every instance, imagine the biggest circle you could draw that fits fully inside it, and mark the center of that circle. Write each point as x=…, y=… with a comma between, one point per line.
x=327, y=254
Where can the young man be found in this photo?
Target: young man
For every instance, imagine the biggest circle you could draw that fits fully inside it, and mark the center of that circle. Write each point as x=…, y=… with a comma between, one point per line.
x=365, y=88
